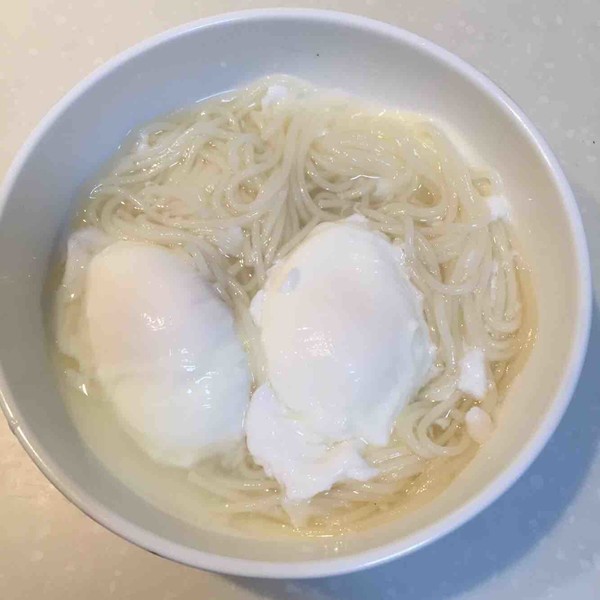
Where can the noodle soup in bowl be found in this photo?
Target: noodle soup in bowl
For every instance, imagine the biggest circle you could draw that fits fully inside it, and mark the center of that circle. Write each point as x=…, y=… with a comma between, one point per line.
x=397, y=206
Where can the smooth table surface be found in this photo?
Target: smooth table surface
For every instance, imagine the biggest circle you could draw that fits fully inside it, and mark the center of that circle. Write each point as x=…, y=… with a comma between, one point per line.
x=541, y=540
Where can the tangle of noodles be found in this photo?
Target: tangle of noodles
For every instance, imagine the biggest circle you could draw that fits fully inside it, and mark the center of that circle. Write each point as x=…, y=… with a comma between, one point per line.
x=237, y=182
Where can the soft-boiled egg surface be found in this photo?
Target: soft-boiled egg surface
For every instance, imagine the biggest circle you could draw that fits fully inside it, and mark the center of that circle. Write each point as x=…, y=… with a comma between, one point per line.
x=346, y=348
x=163, y=347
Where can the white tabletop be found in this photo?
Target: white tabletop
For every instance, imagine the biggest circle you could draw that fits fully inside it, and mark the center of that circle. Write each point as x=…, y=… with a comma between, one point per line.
x=541, y=540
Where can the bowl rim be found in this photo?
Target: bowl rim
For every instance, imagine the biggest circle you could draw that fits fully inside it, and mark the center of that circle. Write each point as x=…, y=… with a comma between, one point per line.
x=388, y=551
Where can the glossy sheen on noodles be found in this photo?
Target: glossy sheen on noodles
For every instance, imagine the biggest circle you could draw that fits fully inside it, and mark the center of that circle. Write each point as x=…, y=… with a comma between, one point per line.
x=238, y=181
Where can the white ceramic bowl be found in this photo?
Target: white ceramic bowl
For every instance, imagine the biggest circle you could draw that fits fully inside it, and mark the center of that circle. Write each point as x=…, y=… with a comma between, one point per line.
x=364, y=57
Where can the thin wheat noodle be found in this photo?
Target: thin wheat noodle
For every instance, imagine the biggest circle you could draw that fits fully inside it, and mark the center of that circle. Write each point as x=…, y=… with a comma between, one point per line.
x=276, y=171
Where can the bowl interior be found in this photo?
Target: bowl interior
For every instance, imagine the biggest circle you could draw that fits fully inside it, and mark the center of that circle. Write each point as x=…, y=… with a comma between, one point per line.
x=370, y=60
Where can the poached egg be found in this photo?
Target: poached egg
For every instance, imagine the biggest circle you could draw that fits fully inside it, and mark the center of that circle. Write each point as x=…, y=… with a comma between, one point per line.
x=163, y=347
x=346, y=348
